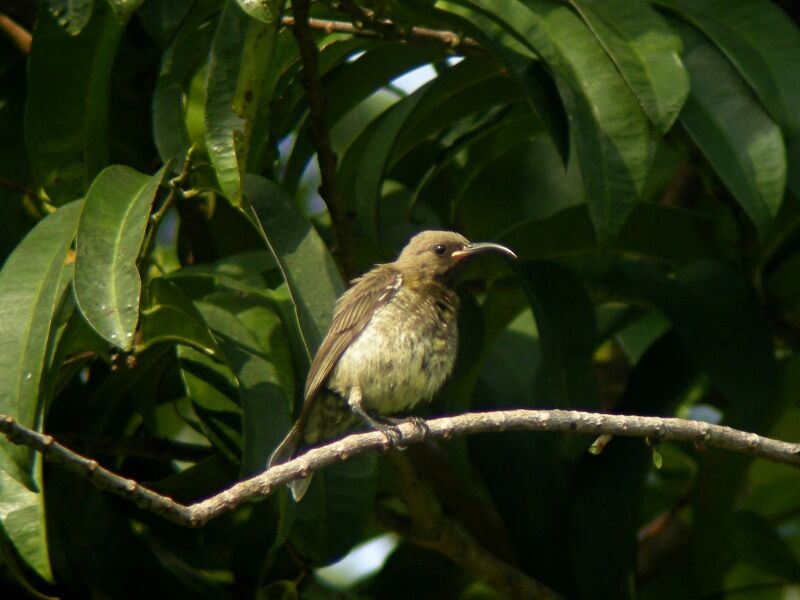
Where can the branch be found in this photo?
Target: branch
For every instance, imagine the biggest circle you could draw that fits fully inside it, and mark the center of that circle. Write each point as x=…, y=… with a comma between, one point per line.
x=320, y=137
x=264, y=484
x=455, y=41
x=426, y=527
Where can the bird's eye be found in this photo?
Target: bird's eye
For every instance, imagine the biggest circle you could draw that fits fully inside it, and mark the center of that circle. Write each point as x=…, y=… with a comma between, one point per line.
x=439, y=249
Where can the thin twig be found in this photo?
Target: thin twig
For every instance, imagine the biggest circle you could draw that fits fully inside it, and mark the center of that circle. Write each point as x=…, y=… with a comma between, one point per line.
x=426, y=527
x=459, y=547
x=176, y=189
x=264, y=484
x=13, y=185
x=321, y=139
x=20, y=36
x=454, y=41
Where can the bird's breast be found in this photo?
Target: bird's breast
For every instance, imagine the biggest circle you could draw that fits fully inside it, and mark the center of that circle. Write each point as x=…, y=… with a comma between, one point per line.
x=404, y=354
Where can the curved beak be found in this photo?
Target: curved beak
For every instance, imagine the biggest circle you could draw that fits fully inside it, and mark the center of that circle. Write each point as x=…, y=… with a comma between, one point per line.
x=480, y=248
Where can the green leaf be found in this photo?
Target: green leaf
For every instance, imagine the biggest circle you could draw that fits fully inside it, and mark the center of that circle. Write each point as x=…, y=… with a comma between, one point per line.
x=609, y=487
x=349, y=84
x=266, y=11
x=363, y=167
x=650, y=231
x=179, y=64
x=170, y=317
x=567, y=329
x=304, y=260
x=70, y=77
x=123, y=9
x=744, y=146
x=334, y=512
x=72, y=15
x=747, y=31
x=32, y=285
x=608, y=128
x=757, y=542
x=255, y=342
x=110, y=234
x=234, y=92
x=646, y=52
x=213, y=389
x=23, y=521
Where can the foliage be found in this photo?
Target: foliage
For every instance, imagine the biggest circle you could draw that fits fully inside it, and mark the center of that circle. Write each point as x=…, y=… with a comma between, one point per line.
x=168, y=273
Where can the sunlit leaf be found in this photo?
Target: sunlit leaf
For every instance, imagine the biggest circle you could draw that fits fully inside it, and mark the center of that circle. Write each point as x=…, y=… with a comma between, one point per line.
x=110, y=234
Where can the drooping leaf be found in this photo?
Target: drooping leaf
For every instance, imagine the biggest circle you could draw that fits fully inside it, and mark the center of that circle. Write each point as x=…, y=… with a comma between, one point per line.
x=757, y=542
x=567, y=330
x=254, y=341
x=609, y=486
x=608, y=128
x=646, y=52
x=110, y=234
x=32, y=286
x=234, y=92
x=744, y=146
x=23, y=522
x=213, y=389
x=267, y=11
x=72, y=15
x=179, y=63
x=69, y=76
x=305, y=262
x=168, y=316
x=349, y=84
x=747, y=31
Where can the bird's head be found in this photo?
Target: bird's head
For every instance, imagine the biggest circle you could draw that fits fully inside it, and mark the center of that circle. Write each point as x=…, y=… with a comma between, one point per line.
x=440, y=254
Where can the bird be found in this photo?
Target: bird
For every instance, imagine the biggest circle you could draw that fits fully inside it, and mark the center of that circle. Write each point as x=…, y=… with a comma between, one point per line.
x=392, y=343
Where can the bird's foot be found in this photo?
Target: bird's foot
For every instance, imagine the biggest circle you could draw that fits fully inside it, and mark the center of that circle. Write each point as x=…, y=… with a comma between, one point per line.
x=418, y=423
x=392, y=433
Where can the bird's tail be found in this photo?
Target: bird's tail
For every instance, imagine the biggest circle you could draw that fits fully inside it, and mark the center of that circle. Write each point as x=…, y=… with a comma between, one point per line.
x=285, y=452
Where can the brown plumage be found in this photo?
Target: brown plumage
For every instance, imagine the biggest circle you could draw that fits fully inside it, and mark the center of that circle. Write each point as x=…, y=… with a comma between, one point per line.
x=392, y=343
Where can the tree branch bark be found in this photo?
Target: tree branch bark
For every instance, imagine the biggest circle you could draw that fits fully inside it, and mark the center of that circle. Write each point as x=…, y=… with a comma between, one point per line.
x=320, y=137
x=456, y=41
x=197, y=514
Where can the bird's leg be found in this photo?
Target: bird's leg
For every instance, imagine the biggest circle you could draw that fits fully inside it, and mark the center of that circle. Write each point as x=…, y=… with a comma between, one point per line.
x=355, y=401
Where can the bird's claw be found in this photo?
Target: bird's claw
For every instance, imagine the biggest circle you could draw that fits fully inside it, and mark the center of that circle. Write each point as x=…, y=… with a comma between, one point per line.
x=393, y=436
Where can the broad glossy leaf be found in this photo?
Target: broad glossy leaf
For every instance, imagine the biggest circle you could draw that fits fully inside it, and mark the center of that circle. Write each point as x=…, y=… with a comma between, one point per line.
x=32, y=285
x=646, y=52
x=761, y=41
x=72, y=15
x=213, y=389
x=169, y=316
x=567, y=329
x=351, y=83
x=23, y=522
x=303, y=258
x=608, y=128
x=123, y=9
x=267, y=11
x=179, y=63
x=758, y=542
x=69, y=76
x=255, y=343
x=650, y=231
x=124, y=562
x=363, y=167
x=744, y=146
x=234, y=92
x=110, y=234
x=609, y=487
x=334, y=512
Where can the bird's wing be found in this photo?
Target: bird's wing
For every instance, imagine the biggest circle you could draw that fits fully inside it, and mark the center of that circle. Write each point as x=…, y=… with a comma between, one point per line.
x=353, y=311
